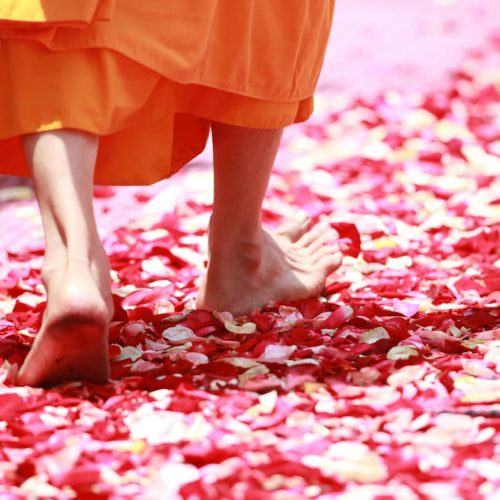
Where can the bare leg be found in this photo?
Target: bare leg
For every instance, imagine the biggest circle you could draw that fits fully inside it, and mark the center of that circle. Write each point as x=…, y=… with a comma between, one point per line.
x=248, y=266
x=72, y=342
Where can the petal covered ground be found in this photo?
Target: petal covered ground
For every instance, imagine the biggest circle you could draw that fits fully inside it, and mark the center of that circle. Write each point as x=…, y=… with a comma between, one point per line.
x=385, y=387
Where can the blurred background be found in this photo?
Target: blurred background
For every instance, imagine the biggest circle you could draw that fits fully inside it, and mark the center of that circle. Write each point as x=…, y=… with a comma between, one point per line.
x=405, y=45
x=375, y=46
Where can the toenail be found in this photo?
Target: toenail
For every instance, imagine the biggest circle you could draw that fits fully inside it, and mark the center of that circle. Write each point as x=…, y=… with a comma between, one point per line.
x=344, y=244
x=336, y=232
x=335, y=247
x=300, y=216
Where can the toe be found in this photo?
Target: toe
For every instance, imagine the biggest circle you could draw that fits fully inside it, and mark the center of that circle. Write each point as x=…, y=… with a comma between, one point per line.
x=327, y=240
x=322, y=252
x=329, y=263
x=295, y=227
x=321, y=231
x=312, y=235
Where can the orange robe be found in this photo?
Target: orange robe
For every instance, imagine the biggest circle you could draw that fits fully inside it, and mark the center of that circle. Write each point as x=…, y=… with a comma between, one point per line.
x=149, y=76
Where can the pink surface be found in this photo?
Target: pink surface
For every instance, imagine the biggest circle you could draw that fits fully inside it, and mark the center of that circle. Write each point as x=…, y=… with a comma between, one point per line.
x=382, y=44
x=385, y=387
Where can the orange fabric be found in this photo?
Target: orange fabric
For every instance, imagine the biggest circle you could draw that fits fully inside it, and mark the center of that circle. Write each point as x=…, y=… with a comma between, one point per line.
x=149, y=77
x=54, y=12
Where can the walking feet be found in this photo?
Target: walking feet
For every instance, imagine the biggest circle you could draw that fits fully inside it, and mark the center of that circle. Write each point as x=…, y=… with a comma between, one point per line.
x=72, y=343
x=248, y=267
x=292, y=263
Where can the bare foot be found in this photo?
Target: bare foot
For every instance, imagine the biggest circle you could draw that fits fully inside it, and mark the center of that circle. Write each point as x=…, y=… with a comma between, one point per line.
x=295, y=227
x=72, y=343
x=286, y=265
x=99, y=267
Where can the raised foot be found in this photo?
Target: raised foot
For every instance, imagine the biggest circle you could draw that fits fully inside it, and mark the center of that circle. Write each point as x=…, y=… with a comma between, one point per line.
x=72, y=343
x=283, y=266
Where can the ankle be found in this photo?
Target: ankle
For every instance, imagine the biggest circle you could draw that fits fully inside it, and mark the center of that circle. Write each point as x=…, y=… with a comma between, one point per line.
x=83, y=252
x=246, y=255
x=224, y=227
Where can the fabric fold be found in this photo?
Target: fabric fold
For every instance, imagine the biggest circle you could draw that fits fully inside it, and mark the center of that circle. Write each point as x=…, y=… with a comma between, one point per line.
x=54, y=13
x=151, y=78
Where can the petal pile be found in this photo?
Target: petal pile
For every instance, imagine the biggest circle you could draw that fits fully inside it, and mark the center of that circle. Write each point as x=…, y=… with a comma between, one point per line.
x=386, y=386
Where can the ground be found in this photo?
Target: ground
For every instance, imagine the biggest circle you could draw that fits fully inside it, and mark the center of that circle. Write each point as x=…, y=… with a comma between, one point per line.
x=385, y=387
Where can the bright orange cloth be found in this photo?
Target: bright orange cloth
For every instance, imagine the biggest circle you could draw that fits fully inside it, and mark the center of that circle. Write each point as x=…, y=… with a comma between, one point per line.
x=149, y=77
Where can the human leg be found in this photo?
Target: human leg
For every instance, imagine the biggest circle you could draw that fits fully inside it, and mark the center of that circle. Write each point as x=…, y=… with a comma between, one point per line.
x=72, y=341
x=249, y=266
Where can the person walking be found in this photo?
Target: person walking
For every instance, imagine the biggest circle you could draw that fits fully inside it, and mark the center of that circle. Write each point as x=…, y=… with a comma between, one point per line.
x=124, y=92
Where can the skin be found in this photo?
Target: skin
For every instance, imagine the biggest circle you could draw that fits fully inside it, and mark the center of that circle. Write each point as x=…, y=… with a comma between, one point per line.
x=72, y=343
x=290, y=264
